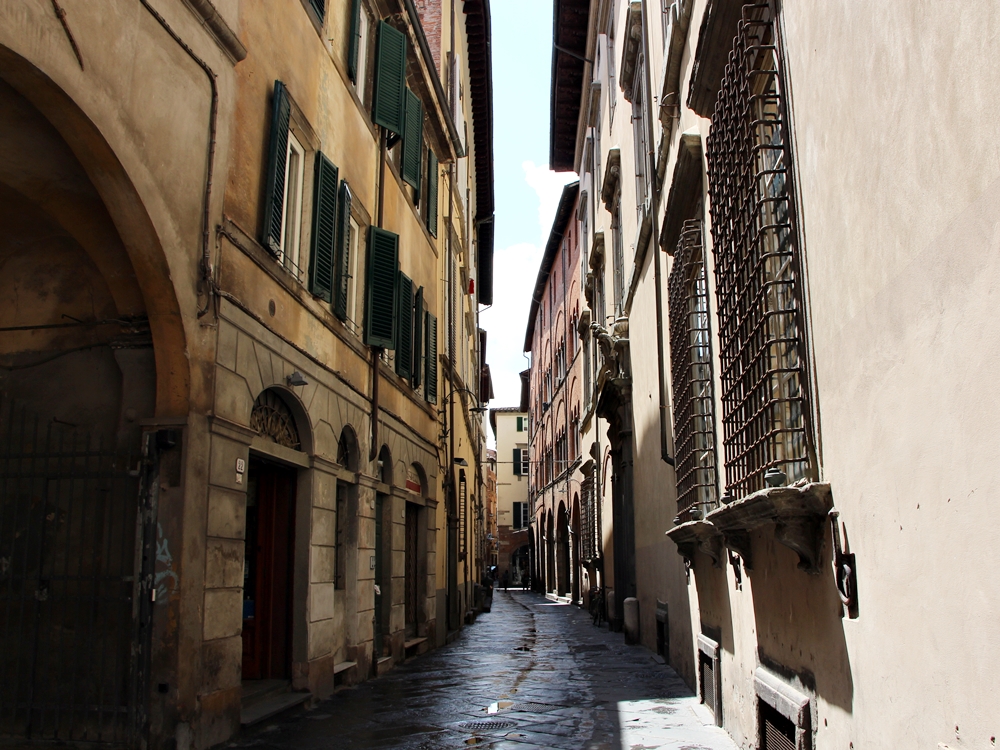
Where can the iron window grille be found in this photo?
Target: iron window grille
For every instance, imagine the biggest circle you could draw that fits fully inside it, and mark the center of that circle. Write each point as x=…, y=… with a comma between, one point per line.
x=691, y=370
x=757, y=266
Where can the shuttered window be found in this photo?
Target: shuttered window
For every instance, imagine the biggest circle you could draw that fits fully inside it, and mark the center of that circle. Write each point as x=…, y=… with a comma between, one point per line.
x=319, y=6
x=413, y=140
x=274, y=191
x=517, y=462
x=380, y=291
x=404, y=327
x=432, y=193
x=416, y=375
x=354, y=41
x=390, y=79
x=342, y=255
x=324, y=228
x=430, y=359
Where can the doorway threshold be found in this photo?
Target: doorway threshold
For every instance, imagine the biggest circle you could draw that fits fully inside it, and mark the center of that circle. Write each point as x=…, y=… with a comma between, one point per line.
x=263, y=699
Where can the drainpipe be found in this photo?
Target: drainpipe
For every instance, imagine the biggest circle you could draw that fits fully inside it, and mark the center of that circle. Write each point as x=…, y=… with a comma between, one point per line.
x=376, y=351
x=655, y=240
x=206, y=260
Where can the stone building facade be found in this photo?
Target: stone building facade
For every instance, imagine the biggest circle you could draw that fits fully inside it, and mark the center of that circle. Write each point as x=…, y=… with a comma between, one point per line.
x=556, y=377
x=511, y=429
x=784, y=323
x=238, y=356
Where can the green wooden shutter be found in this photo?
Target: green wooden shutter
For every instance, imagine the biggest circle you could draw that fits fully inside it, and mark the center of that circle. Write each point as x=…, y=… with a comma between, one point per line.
x=324, y=227
x=342, y=278
x=404, y=327
x=381, y=294
x=430, y=363
x=413, y=139
x=354, y=41
x=319, y=6
x=274, y=196
x=517, y=461
x=388, y=109
x=418, y=339
x=432, y=193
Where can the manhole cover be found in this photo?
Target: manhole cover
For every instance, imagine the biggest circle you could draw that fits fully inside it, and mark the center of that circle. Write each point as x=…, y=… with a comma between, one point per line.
x=487, y=726
x=535, y=708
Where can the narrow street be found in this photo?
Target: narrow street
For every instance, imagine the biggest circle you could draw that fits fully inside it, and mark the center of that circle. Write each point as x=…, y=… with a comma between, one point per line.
x=530, y=674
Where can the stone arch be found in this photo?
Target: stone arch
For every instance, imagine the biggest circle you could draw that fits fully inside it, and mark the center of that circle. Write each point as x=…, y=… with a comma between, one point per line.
x=93, y=200
x=269, y=403
x=384, y=465
x=348, y=449
x=421, y=478
x=550, y=552
x=575, y=526
x=563, y=552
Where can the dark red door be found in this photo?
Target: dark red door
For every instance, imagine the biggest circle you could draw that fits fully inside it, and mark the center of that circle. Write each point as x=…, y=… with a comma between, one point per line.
x=267, y=573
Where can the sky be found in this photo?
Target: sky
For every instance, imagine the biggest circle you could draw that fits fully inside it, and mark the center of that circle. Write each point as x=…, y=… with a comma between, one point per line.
x=527, y=192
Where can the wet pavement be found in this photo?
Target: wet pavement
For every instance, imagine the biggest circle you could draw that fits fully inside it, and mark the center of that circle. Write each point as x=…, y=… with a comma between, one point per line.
x=530, y=674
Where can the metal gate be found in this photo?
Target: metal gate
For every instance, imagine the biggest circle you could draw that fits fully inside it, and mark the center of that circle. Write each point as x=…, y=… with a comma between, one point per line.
x=75, y=580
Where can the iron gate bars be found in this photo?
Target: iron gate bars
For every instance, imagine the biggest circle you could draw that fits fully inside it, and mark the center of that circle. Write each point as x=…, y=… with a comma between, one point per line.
x=691, y=370
x=757, y=268
x=74, y=612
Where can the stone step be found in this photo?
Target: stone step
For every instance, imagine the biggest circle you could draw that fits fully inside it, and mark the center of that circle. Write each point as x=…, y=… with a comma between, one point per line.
x=271, y=705
x=255, y=691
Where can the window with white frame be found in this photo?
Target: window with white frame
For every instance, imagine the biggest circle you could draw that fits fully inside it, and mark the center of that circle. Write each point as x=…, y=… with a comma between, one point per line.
x=520, y=516
x=291, y=236
x=354, y=262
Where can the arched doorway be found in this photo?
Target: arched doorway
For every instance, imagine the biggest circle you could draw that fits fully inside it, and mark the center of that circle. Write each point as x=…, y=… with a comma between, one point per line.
x=550, y=554
x=562, y=542
x=576, y=544
x=78, y=377
x=268, y=564
x=383, y=557
x=519, y=567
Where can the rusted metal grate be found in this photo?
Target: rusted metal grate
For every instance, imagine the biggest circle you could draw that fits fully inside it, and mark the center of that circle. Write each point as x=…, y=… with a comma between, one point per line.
x=776, y=732
x=757, y=267
x=691, y=368
x=76, y=550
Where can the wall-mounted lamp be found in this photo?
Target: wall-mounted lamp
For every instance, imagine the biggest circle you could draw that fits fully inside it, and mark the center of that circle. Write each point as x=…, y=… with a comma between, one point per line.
x=296, y=378
x=460, y=461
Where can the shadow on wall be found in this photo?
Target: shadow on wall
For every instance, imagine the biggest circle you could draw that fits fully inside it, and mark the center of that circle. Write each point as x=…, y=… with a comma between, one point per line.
x=659, y=569
x=800, y=630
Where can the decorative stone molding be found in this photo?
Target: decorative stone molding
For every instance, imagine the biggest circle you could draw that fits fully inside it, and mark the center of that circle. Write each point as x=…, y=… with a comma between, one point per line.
x=219, y=30
x=597, y=252
x=798, y=513
x=612, y=176
x=631, y=47
x=697, y=535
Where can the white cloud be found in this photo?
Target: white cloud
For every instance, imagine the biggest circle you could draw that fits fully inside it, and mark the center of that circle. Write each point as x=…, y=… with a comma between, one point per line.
x=515, y=269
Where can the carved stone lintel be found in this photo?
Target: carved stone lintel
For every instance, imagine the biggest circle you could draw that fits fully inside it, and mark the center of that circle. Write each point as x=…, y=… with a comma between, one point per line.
x=739, y=542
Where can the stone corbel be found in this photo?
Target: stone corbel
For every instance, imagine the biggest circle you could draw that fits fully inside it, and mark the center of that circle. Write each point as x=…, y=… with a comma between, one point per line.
x=798, y=513
x=612, y=176
x=697, y=535
x=739, y=542
x=597, y=252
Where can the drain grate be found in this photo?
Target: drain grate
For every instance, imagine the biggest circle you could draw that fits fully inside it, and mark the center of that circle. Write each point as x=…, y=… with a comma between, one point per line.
x=487, y=726
x=534, y=708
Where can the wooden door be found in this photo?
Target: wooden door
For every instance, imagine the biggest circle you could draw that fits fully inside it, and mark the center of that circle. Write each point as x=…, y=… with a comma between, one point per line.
x=412, y=568
x=267, y=574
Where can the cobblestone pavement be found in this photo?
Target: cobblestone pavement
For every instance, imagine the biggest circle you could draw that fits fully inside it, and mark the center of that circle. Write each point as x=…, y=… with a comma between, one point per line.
x=530, y=674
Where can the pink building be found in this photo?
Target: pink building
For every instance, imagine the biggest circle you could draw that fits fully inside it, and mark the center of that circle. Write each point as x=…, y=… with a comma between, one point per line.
x=556, y=386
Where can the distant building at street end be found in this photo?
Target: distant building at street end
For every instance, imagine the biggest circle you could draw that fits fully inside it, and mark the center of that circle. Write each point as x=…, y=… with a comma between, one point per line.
x=510, y=426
